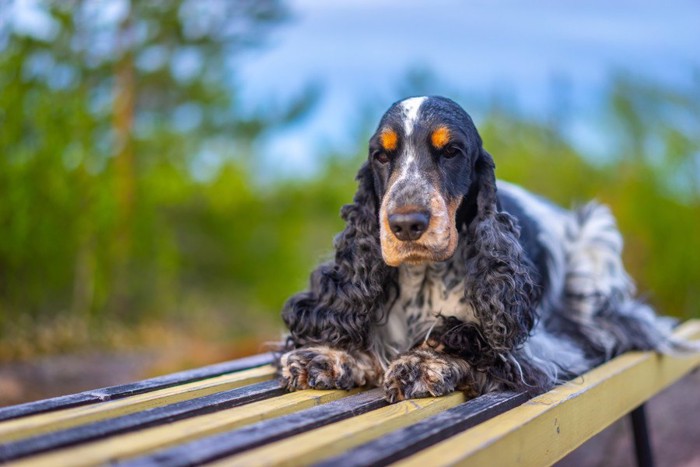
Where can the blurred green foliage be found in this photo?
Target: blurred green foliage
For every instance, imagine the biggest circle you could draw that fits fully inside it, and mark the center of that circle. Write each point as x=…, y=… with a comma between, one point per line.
x=107, y=217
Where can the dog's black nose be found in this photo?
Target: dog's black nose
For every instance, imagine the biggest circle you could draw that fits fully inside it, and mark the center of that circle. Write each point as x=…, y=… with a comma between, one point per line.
x=409, y=227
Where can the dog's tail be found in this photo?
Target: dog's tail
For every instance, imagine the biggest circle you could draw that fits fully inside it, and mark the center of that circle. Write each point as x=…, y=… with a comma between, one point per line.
x=634, y=325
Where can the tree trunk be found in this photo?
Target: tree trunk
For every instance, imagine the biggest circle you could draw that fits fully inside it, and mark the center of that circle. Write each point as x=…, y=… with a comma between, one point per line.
x=124, y=163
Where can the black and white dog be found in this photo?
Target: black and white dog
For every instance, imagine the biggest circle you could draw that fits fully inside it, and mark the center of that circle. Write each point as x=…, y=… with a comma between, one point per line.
x=445, y=280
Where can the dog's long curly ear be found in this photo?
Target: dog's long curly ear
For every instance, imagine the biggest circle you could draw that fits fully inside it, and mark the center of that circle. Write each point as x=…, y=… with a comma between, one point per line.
x=345, y=294
x=501, y=282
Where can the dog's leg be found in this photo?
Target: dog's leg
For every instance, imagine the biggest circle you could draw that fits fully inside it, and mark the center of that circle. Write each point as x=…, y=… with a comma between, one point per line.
x=595, y=273
x=424, y=372
x=598, y=294
x=322, y=367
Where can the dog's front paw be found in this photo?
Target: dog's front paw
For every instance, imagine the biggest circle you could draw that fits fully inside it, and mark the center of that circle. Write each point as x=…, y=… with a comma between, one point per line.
x=320, y=368
x=421, y=373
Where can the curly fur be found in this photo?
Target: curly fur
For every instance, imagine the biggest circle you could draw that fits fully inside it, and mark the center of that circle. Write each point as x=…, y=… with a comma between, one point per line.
x=345, y=295
x=501, y=282
x=529, y=294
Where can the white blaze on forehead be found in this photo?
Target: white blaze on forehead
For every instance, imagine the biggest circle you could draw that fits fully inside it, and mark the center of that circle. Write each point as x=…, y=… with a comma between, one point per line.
x=410, y=112
x=408, y=168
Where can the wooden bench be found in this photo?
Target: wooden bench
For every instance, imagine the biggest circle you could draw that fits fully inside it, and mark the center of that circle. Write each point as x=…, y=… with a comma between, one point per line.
x=236, y=413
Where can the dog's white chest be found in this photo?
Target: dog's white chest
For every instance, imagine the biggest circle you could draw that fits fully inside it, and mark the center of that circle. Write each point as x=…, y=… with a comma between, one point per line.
x=425, y=292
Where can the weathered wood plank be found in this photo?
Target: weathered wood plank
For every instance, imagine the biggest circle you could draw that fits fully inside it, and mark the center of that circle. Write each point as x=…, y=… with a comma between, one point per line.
x=548, y=427
x=34, y=425
x=406, y=441
x=131, y=389
x=140, y=420
x=333, y=439
x=129, y=445
x=232, y=442
x=537, y=432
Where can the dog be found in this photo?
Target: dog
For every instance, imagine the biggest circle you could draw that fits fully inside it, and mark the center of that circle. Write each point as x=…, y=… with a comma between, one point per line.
x=445, y=279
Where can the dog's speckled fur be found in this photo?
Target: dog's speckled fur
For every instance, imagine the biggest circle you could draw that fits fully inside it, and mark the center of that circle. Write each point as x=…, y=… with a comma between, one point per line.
x=503, y=290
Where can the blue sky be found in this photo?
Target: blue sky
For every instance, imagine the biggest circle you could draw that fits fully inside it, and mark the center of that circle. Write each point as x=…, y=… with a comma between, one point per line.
x=360, y=50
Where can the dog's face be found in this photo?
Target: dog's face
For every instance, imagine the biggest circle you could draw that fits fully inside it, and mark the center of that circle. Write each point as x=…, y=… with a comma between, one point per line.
x=422, y=157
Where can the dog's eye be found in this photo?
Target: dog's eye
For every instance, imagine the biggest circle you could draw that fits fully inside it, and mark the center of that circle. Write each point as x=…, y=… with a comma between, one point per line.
x=380, y=156
x=451, y=151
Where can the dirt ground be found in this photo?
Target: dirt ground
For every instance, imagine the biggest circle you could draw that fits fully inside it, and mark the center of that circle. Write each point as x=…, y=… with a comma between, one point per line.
x=674, y=415
x=55, y=375
x=67, y=374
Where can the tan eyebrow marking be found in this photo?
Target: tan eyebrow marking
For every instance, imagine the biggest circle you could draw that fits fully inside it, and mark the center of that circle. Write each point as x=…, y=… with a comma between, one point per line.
x=440, y=137
x=389, y=139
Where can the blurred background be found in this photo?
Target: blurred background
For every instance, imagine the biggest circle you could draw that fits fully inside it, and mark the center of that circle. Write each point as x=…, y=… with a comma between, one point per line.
x=170, y=171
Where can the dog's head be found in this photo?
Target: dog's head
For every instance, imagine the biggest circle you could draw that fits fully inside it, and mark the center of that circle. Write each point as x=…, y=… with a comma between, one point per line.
x=426, y=157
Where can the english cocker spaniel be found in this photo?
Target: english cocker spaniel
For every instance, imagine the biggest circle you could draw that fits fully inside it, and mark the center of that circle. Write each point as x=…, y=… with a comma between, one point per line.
x=445, y=280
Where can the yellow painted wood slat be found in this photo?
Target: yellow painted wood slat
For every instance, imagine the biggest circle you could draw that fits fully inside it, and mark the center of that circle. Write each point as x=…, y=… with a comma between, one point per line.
x=335, y=438
x=43, y=423
x=132, y=444
x=548, y=427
